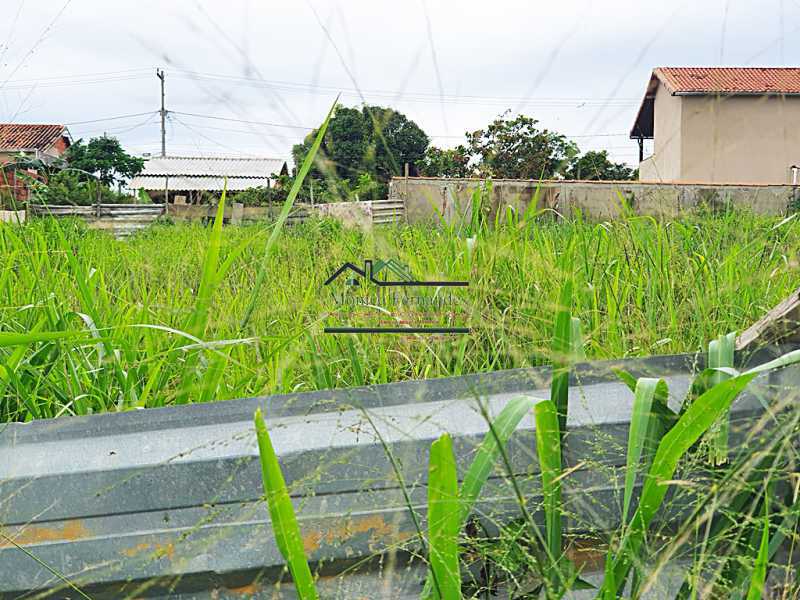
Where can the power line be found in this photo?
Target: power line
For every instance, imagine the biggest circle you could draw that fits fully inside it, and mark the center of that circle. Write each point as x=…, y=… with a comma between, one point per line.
x=187, y=114
x=308, y=128
x=416, y=97
x=143, y=72
x=124, y=128
x=70, y=83
x=115, y=118
x=36, y=43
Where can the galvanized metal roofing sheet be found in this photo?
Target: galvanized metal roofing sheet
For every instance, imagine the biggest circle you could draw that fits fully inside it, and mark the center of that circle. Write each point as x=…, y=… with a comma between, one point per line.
x=175, y=494
x=179, y=183
x=212, y=166
x=730, y=80
x=15, y=136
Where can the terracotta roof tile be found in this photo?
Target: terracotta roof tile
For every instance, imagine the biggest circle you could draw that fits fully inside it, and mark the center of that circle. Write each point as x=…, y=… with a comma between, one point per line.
x=730, y=80
x=26, y=137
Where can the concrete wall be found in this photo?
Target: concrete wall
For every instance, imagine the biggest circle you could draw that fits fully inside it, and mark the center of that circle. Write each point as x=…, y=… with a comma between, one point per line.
x=428, y=200
x=732, y=140
x=352, y=214
x=12, y=216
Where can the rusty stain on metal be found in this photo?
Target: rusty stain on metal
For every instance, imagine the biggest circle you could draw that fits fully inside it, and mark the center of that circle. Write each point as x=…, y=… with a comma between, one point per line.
x=375, y=525
x=137, y=549
x=245, y=590
x=167, y=550
x=29, y=535
x=587, y=554
x=158, y=550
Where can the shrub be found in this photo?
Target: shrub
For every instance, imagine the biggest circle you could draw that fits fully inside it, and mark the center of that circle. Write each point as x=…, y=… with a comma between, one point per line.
x=74, y=189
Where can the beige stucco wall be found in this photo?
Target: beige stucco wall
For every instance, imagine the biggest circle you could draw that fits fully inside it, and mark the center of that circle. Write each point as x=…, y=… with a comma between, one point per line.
x=740, y=139
x=733, y=139
x=665, y=163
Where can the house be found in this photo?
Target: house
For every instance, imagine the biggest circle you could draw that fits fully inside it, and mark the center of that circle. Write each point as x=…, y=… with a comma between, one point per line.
x=190, y=178
x=20, y=144
x=720, y=125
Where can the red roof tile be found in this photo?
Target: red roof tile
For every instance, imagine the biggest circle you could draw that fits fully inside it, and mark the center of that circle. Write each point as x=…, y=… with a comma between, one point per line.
x=730, y=80
x=27, y=137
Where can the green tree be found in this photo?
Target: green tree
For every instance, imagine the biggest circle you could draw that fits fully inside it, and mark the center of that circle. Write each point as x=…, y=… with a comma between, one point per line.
x=516, y=149
x=104, y=157
x=595, y=165
x=372, y=141
x=396, y=140
x=448, y=162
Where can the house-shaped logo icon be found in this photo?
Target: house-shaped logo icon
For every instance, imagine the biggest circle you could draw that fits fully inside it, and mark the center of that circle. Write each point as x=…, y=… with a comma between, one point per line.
x=396, y=275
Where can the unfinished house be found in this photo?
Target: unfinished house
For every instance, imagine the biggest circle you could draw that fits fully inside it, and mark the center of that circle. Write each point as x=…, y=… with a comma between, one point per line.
x=720, y=125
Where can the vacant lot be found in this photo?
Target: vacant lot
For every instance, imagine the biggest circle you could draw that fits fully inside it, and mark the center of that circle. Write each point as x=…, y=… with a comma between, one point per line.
x=135, y=339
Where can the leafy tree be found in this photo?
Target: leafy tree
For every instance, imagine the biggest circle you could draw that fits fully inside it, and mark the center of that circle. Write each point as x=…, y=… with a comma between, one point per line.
x=595, y=165
x=104, y=157
x=373, y=141
x=396, y=140
x=449, y=162
x=516, y=149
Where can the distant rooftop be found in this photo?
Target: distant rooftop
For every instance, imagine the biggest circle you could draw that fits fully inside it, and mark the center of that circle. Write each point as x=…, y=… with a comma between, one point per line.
x=207, y=173
x=730, y=80
x=16, y=136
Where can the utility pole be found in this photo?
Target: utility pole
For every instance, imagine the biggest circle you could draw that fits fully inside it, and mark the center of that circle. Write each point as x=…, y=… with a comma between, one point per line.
x=160, y=75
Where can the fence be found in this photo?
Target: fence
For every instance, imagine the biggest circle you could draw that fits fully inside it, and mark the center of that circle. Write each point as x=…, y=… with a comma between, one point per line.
x=388, y=211
x=121, y=219
x=236, y=213
x=428, y=199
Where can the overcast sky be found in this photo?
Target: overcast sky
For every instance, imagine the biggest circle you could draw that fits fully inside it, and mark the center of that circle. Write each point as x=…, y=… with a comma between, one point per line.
x=266, y=70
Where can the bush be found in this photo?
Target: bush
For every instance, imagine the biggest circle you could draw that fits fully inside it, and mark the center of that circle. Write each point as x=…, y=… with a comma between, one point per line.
x=260, y=196
x=73, y=189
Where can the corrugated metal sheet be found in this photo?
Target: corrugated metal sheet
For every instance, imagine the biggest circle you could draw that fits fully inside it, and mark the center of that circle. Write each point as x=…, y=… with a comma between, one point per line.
x=120, y=219
x=172, y=498
x=212, y=167
x=179, y=183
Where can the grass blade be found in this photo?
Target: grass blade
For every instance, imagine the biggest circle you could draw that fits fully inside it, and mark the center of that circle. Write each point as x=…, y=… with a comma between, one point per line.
x=255, y=296
x=695, y=421
x=759, y=577
x=443, y=518
x=281, y=511
x=548, y=448
x=640, y=430
x=486, y=456
x=198, y=320
x=199, y=317
x=489, y=451
x=562, y=349
x=720, y=355
x=24, y=339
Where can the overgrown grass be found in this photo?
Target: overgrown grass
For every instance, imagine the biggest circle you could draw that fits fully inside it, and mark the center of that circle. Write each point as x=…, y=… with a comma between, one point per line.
x=739, y=505
x=640, y=287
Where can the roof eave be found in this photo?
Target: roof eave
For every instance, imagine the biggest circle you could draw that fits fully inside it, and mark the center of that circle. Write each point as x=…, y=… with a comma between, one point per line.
x=728, y=93
x=649, y=95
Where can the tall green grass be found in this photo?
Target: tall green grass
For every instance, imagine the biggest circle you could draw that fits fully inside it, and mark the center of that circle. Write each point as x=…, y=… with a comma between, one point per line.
x=640, y=287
